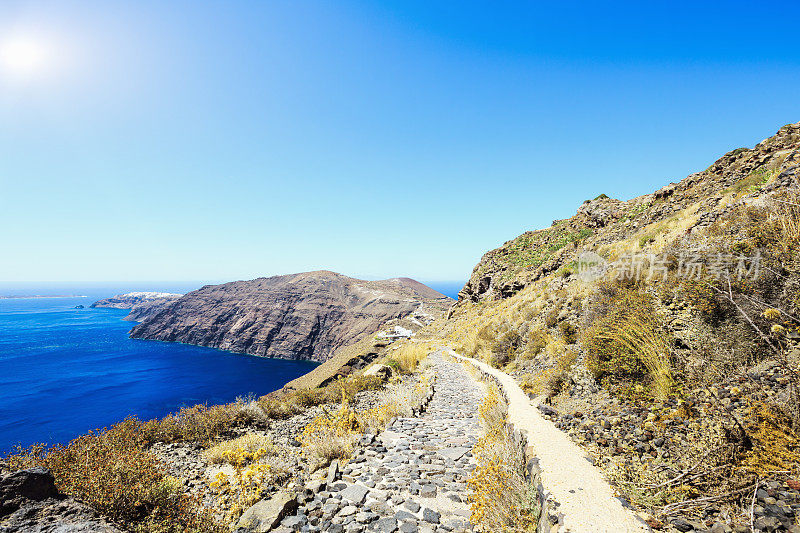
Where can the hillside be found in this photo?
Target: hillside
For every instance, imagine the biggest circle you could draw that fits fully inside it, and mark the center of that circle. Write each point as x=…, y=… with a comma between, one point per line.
x=662, y=335
x=297, y=316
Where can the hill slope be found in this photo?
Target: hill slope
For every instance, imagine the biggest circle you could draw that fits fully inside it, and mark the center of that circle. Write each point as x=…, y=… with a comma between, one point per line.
x=662, y=335
x=297, y=316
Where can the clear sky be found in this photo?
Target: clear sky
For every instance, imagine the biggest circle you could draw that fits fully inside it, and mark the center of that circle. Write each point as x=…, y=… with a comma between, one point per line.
x=202, y=140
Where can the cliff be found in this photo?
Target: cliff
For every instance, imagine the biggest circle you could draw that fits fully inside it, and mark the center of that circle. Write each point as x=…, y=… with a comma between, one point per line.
x=297, y=316
x=141, y=304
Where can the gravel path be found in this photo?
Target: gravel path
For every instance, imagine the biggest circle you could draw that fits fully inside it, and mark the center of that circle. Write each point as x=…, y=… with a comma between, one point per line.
x=413, y=476
x=585, y=499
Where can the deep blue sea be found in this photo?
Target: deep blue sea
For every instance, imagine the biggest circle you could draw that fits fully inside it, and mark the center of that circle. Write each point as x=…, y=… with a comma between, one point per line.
x=64, y=371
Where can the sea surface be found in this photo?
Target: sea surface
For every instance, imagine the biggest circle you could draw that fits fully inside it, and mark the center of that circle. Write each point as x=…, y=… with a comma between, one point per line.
x=64, y=371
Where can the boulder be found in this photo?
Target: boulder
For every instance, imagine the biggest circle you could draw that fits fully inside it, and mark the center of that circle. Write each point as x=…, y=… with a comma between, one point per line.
x=382, y=371
x=35, y=484
x=267, y=514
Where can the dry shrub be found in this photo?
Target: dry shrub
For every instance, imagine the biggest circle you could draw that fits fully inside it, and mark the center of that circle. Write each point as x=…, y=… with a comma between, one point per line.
x=287, y=405
x=330, y=436
x=399, y=399
x=536, y=342
x=246, y=446
x=279, y=408
x=501, y=498
x=568, y=332
x=200, y=423
x=113, y=472
x=626, y=341
x=255, y=466
x=551, y=381
x=551, y=320
x=408, y=356
x=776, y=447
x=333, y=434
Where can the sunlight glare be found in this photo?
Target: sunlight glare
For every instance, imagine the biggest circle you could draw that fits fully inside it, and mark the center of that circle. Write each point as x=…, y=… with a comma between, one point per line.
x=22, y=56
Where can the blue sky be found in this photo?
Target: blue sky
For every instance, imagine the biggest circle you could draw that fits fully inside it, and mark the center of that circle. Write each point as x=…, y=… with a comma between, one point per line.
x=228, y=140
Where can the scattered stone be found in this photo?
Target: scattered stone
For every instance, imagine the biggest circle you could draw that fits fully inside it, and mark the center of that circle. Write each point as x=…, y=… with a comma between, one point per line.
x=429, y=515
x=266, y=514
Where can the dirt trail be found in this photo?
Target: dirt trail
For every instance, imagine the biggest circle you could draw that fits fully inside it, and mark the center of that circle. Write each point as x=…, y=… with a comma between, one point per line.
x=584, y=497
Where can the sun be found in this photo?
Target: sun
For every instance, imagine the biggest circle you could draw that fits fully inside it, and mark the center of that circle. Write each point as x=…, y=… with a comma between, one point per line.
x=23, y=56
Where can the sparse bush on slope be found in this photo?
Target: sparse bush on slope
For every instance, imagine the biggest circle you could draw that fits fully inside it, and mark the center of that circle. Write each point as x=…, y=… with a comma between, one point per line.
x=626, y=343
x=501, y=497
x=113, y=472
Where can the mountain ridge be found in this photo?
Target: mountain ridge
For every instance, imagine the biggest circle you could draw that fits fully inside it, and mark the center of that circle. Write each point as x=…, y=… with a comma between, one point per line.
x=307, y=315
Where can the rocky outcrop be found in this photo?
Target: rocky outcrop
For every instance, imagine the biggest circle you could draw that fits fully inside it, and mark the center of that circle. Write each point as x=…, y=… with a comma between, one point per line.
x=140, y=304
x=297, y=316
x=30, y=503
x=506, y=270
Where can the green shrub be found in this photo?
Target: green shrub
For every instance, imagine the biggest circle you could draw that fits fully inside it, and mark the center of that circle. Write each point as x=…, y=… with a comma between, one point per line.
x=626, y=343
x=551, y=319
x=568, y=332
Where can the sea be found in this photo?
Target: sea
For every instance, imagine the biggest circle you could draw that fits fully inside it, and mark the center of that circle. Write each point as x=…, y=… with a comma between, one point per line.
x=67, y=369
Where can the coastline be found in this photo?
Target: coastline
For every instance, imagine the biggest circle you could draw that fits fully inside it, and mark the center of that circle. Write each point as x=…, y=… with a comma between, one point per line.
x=42, y=297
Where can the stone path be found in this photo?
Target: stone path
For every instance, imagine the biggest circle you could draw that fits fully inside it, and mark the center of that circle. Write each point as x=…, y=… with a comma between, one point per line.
x=412, y=477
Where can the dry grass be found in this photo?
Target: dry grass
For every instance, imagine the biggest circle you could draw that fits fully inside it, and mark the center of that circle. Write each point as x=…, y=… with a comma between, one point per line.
x=501, y=498
x=112, y=471
x=626, y=343
x=255, y=466
x=407, y=357
x=399, y=399
x=333, y=435
x=282, y=406
x=247, y=446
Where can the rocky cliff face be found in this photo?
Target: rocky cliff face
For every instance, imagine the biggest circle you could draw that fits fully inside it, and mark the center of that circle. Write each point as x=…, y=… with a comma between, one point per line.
x=141, y=304
x=297, y=316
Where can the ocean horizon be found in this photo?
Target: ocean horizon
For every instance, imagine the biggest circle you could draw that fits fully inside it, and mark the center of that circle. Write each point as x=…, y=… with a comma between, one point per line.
x=66, y=370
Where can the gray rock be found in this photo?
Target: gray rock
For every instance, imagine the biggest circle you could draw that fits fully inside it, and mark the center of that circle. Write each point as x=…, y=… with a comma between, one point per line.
x=355, y=493
x=409, y=527
x=293, y=523
x=429, y=515
x=454, y=453
x=348, y=510
x=386, y=525
x=404, y=515
x=333, y=472
x=412, y=506
x=428, y=491
x=266, y=514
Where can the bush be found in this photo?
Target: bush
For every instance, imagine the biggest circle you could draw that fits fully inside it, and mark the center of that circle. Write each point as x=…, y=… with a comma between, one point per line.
x=201, y=424
x=246, y=447
x=626, y=343
x=551, y=319
x=568, y=332
x=500, y=496
x=399, y=399
x=111, y=471
x=330, y=436
x=536, y=342
x=255, y=466
x=282, y=406
x=407, y=357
